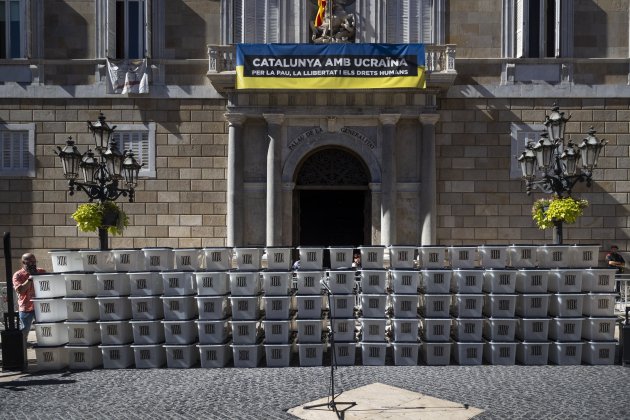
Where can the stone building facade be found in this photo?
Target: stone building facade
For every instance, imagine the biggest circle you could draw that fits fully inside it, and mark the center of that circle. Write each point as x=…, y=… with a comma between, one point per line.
x=303, y=167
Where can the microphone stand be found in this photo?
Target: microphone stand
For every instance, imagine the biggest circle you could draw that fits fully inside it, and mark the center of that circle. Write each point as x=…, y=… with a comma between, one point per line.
x=332, y=404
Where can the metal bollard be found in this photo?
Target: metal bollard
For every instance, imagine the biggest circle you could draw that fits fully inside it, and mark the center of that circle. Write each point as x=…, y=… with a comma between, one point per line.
x=625, y=337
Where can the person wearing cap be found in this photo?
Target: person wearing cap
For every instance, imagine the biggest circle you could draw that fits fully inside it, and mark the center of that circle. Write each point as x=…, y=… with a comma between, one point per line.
x=23, y=285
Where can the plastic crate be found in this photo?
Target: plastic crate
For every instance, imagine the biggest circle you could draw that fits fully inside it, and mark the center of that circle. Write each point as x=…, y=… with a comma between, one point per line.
x=83, y=333
x=566, y=304
x=158, y=258
x=51, y=333
x=146, y=307
x=309, y=330
x=245, y=308
x=342, y=306
x=115, y=332
x=405, y=329
x=563, y=280
x=180, y=332
x=309, y=282
x=345, y=353
x=467, y=305
x=181, y=356
x=213, y=307
x=500, y=353
x=372, y=256
x=81, y=309
x=51, y=358
x=276, y=332
x=113, y=284
x=213, y=332
x=468, y=353
x=532, y=329
x=598, y=280
x=553, y=256
x=499, y=305
x=117, y=356
x=212, y=283
x=405, y=280
x=50, y=310
x=277, y=307
x=584, y=256
x=84, y=357
x=244, y=283
x=434, y=306
x=179, y=307
x=64, y=260
x=147, y=332
x=49, y=285
x=344, y=329
x=310, y=354
x=309, y=306
x=374, y=281
x=530, y=305
x=128, y=259
x=500, y=329
x=406, y=306
x=522, y=256
x=80, y=284
x=218, y=259
x=276, y=283
x=406, y=354
x=145, y=283
x=599, y=328
x=248, y=258
x=149, y=356
x=278, y=355
x=436, y=281
x=341, y=281
x=599, y=304
x=532, y=281
x=245, y=332
x=436, y=329
x=374, y=306
x=532, y=353
x=214, y=355
x=468, y=329
x=95, y=260
x=467, y=280
x=492, y=256
x=115, y=308
x=463, y=257
x=599, y=352
x=565, y=329
x=497, y=280
x=278, y=257
x=432, y=256
x=188, y=258
x=566, y=353
x=341, y=257
x=373, y=329
x=247, y=356
x=401, y=256
x=178, y=283
x=373, y=354
x=436, y=354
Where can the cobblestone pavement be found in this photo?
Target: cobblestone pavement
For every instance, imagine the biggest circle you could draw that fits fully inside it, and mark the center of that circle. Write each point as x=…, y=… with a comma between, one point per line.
x=504, y=392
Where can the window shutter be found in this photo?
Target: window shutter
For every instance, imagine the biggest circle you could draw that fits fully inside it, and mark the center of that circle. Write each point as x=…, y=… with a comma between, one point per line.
x=427, y=23
x=110, y=49
x=148, y=27
x=414, y=11
x=393, y=21
x=260, y=21
x=522, y=23
x=15, y=153
x=138, y=143
x=272, y=20
x=238, y=17
x=557, y=29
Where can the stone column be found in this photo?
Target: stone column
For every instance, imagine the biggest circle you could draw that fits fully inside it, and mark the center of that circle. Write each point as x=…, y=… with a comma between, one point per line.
x=428, y=194
x=388, y=189
x=234, y=194
x=274, y=175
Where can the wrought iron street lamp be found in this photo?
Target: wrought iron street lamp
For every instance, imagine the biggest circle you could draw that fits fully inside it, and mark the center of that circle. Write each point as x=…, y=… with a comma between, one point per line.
x=558, y=164
x=104, y=172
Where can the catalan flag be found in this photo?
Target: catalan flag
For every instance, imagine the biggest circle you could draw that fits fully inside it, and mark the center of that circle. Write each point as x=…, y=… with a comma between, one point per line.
x=319, y=18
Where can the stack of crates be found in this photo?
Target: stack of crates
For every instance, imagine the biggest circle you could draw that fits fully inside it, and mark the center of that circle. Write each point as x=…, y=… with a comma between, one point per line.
x=310, y=302
x=245, y=300
x=278, y=309
x=214, y=309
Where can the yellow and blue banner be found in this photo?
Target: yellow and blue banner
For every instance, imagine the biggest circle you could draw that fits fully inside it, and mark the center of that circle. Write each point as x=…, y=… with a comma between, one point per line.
x=330, y=66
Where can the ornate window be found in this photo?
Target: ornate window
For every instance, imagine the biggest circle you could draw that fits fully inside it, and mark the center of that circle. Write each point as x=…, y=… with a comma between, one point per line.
x=126, y=28
x=332, y=167
x=12, y=28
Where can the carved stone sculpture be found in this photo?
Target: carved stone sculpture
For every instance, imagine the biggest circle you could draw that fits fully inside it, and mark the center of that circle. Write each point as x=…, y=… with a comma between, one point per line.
x=338, y=24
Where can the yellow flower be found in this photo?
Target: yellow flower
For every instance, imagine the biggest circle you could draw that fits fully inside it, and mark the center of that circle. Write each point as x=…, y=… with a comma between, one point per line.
x=546, y=212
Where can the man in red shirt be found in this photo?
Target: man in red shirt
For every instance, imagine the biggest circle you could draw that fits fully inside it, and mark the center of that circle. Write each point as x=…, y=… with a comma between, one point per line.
x=23, y=285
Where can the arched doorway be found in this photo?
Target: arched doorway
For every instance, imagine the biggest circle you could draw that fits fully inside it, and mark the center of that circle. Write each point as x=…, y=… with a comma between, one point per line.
x=332, y=199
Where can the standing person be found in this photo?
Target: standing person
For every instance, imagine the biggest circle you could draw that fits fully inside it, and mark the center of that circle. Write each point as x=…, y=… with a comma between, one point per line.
x=615, y=259
x=23, y=285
